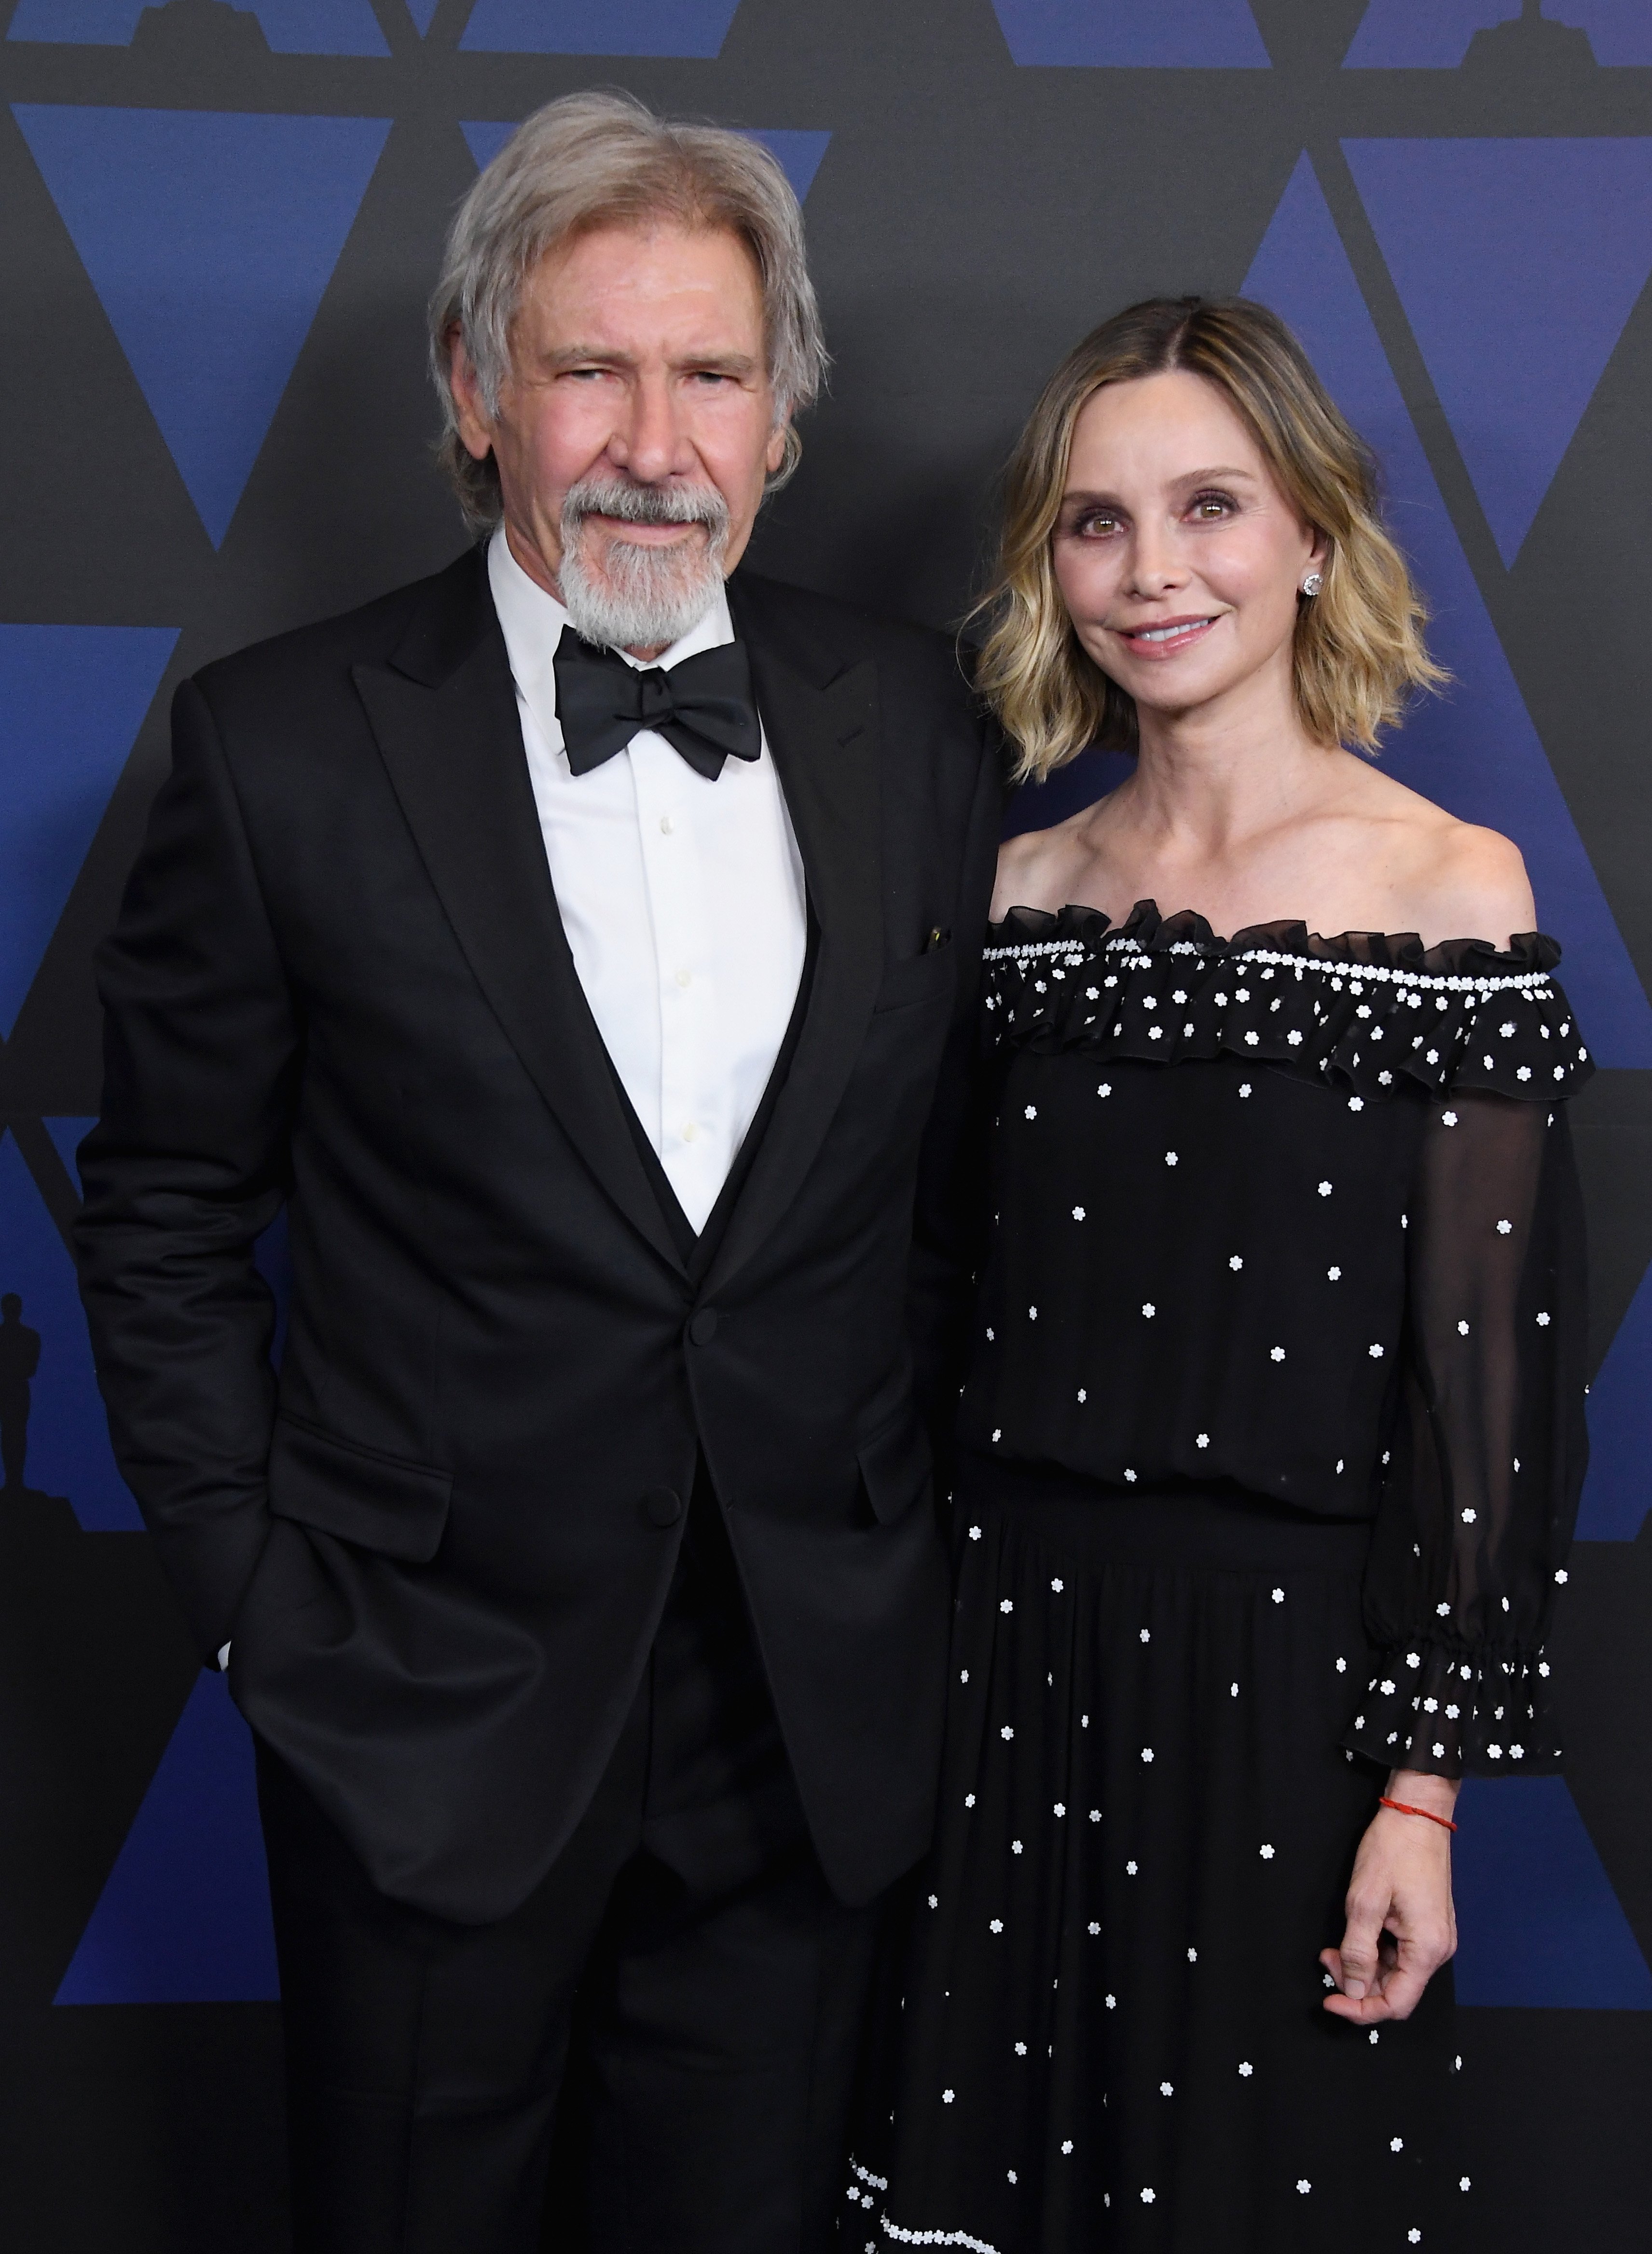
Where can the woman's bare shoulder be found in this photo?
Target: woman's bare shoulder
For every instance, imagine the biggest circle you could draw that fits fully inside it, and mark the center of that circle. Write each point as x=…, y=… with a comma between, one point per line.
x=1449, y=880
x=1476, y=888
x=1029, y=866
x=1036, y=868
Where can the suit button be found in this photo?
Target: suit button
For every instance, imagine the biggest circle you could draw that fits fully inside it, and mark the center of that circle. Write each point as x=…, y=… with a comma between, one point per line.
x=663, y=1505
x=703, y=1329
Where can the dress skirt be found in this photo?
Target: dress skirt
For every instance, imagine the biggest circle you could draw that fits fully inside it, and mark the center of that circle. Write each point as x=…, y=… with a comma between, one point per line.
x=1112, y=2033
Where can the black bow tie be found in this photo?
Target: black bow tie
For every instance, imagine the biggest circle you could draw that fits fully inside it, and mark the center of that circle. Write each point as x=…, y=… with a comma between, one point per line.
x=702, y=706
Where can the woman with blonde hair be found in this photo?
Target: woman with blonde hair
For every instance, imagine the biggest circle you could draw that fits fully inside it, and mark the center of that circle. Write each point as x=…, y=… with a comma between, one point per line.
x=1272, y=1431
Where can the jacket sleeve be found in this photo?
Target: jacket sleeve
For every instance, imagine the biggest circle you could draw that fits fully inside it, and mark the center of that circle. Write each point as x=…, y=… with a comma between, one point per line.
x=186, y=1166
x=949, y=1224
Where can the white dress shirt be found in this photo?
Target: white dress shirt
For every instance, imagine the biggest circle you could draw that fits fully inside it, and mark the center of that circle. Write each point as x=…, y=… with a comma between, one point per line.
x=683, y=900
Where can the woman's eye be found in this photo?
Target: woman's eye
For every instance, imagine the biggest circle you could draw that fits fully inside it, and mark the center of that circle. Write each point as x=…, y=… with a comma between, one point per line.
x=1210, y=506
x=1098, y=523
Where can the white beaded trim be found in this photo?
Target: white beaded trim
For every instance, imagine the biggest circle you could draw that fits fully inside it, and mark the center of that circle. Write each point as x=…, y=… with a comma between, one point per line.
x=1033, y=948
x=1074, y=951
x=916, y=2237
x=934, y=2238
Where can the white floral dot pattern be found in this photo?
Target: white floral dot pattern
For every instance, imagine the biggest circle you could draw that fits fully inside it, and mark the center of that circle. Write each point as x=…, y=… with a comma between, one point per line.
x=1235, y=1292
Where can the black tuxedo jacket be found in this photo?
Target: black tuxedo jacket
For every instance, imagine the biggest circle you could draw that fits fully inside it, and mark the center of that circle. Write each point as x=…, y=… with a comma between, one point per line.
x=441, y=1539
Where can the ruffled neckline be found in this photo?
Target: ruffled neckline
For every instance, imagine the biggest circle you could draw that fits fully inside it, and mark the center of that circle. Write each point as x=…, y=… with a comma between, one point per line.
x=1188, y=932
x=1373, y=1011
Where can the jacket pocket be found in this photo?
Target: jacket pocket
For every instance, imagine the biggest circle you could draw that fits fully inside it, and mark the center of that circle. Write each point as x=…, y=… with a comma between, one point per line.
x=895, y=1465
x=379, y=1503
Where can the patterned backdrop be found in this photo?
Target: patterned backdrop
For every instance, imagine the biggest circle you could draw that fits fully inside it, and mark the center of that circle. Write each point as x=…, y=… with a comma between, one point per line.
x=217, y=227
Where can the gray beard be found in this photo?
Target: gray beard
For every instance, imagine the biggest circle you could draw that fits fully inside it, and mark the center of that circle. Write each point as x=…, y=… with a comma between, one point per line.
x=642, y=598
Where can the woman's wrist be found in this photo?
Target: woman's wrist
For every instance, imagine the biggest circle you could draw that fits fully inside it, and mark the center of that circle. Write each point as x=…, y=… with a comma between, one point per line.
x=1438, y=1794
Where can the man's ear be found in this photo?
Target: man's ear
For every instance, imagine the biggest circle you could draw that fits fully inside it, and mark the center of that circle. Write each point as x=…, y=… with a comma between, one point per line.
x=779, y=446
x=469, y=413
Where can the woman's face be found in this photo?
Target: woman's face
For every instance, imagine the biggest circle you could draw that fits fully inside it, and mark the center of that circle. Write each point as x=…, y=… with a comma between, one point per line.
x=1177, y=557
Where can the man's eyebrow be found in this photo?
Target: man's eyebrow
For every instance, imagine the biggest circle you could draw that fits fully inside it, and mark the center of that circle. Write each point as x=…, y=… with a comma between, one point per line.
x=578, y=355
x=587, y=356
x=723, y=363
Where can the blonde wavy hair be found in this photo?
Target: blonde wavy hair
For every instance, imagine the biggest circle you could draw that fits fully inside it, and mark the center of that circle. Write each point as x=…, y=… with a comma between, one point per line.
x=1359, y=652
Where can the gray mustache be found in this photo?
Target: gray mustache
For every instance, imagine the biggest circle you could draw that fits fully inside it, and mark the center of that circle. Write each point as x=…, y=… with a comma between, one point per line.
x=632, y=504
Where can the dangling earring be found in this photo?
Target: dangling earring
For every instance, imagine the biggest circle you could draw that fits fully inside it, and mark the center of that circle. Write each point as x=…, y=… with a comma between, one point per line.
x=1312, y=583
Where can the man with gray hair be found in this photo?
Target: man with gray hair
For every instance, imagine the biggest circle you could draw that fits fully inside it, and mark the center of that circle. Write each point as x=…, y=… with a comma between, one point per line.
x=568, y=943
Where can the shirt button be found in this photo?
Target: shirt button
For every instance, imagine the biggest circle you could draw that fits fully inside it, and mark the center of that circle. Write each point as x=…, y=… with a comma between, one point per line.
x=684, y=976
x=703, y=1326
x=667, y=825
x=663, y=1505
x=689, y=1132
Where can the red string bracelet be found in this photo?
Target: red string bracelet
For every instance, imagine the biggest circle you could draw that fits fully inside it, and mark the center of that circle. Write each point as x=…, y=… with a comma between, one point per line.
x=1405, y=1808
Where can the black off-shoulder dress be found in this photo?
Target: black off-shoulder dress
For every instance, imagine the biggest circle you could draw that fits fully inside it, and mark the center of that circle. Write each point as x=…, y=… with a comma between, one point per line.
x=1271, y=1444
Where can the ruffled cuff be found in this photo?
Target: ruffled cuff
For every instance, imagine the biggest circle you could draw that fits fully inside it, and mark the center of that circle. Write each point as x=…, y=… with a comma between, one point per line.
x=1449, y=1711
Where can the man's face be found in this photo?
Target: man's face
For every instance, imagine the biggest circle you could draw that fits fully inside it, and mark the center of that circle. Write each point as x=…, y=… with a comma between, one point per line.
x=638, y=392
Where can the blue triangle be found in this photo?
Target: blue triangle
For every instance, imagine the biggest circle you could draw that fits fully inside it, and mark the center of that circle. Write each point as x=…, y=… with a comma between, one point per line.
x=1620, y=31
x=210, y=239
x=77, y=23
x=320, y=27
x=423, y=12
x=1618, y=1493
x=1425, y=34
x=799, y=150
x=1434, y=34
x=1474, y=750
x=184, y=1916
x=686, y=28
x=72, y=699
x=68, y=1135
x=290, y=27
x=1124, y=35
x=485, y=139
x=1475, y=233
x=68, y=1441
x=1538, y=1924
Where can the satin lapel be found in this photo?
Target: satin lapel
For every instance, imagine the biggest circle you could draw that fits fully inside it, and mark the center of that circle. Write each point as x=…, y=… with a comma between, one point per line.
x=824, y=743
x=452, y=743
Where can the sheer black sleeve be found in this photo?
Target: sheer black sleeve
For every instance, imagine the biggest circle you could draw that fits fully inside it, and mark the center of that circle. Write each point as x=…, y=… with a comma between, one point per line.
x=1482, y=1472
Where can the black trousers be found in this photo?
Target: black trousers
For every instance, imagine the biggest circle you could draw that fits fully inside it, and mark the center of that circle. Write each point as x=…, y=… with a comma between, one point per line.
x=682, y=1983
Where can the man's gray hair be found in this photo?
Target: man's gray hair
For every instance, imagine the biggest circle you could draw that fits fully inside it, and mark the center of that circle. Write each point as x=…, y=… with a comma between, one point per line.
x=592, y=160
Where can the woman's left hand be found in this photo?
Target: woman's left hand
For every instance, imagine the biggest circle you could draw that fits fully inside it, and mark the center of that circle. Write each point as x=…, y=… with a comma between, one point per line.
x=1402, y=1926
